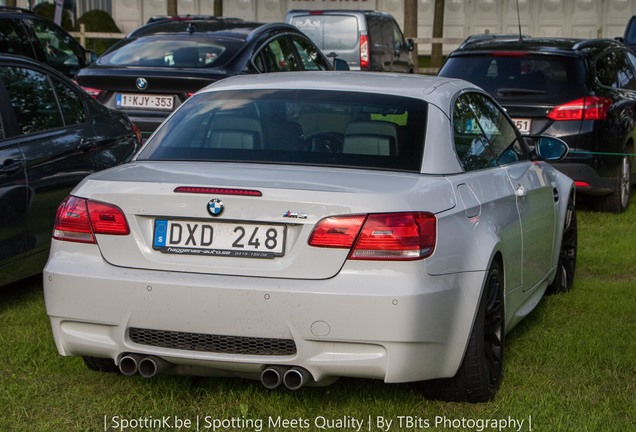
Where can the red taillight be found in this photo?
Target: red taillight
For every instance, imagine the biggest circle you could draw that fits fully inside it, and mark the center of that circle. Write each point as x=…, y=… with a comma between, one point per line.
x=218, y=191
x=582, y=184
x=364, y=52
x=78, y=220
x=390, y=236
x=137, y=133
x=587, y=108
x=508, y=53
x=92, y=91
x=337, y=231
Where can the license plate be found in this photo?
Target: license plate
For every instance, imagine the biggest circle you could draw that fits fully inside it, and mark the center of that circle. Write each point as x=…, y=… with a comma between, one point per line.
x=523, y=124
x=222, y=239
x=154, y=102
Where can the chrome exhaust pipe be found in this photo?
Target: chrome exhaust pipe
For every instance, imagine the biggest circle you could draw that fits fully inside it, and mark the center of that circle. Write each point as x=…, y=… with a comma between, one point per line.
x=129, y=364
x=272, y=376
x=296, y=377
x=151, y=366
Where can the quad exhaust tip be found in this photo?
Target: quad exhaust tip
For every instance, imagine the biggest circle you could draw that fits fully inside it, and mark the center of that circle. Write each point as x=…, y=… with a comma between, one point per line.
x=272, y=377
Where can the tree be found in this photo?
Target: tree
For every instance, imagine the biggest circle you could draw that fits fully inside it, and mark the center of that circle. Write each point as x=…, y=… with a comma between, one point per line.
x=438, y=32
x=410, y=26
x=172, y=8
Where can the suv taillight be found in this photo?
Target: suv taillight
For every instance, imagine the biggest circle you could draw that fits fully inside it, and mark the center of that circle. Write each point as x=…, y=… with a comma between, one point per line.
x=587, y=108
x=79, y=219
x=364, y=52
x=387, y=236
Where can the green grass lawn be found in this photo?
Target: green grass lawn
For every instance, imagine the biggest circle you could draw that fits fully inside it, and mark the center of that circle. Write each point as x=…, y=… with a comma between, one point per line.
x=570, y=366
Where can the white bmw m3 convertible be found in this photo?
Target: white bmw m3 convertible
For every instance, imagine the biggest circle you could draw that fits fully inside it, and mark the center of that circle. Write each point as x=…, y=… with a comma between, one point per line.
x=299, y=227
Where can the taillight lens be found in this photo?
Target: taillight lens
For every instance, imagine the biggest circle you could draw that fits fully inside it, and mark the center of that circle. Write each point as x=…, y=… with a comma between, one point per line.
x=78, y=220
x=389, y=236
x=337, y=231
x=137, y=133
x=587, y=108
x=364, y=52
x=92, y=91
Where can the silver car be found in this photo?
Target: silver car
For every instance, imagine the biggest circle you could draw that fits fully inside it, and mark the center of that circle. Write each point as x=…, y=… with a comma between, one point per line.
x=300, y=227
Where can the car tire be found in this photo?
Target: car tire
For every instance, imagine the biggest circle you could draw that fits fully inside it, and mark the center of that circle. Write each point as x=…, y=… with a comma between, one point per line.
x=479, y=375
x=566, y=266
x=100, y=364
x=618, y=201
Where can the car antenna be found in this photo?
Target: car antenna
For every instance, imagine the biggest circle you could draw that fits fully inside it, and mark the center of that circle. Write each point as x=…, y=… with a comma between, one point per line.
x=519, y=23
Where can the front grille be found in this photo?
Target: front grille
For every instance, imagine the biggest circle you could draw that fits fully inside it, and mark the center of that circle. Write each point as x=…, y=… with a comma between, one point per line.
x=212, y=343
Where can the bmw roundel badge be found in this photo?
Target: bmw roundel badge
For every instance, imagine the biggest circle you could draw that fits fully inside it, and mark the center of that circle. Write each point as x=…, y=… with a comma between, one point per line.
x=142, y=83
x=215, y=207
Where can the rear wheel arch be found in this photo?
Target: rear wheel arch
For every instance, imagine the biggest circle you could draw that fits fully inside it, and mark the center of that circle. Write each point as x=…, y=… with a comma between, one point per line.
x=480, y=371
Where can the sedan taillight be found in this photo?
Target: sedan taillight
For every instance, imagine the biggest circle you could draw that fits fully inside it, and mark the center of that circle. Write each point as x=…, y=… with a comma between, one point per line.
x=587, y=108
x=387, y=236
x=79, y=219
x=92, y=91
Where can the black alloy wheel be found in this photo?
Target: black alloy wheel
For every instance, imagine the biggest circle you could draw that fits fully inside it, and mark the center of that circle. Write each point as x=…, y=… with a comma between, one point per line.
x=566, y=266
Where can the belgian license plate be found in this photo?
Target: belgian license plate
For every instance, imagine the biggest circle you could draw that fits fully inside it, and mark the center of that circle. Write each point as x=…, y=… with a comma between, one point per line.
x=221, y=239
x=154, y=102
x=523, y=124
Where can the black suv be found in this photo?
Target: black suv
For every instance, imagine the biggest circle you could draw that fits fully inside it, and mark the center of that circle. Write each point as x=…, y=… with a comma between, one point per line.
x=582, y=91
x=26, y=34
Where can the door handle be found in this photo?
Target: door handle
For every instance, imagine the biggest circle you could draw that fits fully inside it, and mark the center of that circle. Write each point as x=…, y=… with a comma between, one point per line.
x=521, y=192
x=10, y=166
x=86, y=144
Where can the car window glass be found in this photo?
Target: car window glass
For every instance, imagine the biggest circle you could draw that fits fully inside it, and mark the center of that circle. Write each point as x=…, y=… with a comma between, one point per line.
x=631, y=58
x=169, y=53
x=13, y=39
x=33, y=99
x=483, y=135
x=398, y=37
x=309, y=55
x=310, y=127
x=58, y=47
x=71, y=104
x=607, y=70
x=626, y=79
x=276, y=57
x=508, y=78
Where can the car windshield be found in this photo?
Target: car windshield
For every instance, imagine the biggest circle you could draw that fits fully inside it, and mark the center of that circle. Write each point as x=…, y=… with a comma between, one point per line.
x=309, y=127
x=515, y=76
x=168, y=52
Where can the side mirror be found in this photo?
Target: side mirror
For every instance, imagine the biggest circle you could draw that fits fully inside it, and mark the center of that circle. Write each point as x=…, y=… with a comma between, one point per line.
x=339, y=64
x=91, y=57
x=550, y=149
x=410, y=44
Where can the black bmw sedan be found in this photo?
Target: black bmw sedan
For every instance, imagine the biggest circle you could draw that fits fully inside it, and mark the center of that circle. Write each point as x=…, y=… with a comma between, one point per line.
x=150, y=73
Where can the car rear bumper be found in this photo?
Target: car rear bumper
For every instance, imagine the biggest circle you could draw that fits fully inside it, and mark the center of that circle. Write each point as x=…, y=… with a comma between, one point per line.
x=586, y=178
x=398, y=327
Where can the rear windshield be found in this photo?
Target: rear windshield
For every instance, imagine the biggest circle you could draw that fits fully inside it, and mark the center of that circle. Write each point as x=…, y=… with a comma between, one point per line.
x=510, y=77
x=329, y=32
x=308, y=127
x=167, y=52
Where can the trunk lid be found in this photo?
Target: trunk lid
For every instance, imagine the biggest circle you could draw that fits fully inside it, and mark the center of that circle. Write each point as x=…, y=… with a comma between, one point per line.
x=293, y=199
